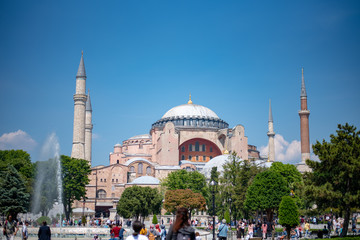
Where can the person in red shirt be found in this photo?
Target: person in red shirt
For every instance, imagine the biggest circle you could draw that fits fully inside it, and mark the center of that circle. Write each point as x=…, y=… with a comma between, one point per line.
x=115, y=231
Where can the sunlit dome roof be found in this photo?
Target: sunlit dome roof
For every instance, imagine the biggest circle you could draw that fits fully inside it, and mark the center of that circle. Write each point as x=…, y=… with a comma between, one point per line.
x=142, y=136
x=190, y=110
x=218, y=162
x=145, y=180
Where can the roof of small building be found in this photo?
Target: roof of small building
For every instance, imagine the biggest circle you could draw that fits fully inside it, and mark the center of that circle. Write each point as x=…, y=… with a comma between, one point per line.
x=145, y=180
x=190, y=110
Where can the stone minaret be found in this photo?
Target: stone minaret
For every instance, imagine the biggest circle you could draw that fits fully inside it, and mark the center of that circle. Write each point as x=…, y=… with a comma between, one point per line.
x=304, y=122
x=271, y=135
x=78, y=147
x=88, y=129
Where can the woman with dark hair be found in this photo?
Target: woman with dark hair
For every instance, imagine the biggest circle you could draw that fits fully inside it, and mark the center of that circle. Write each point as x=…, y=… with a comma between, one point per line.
x=181, y=229
x=137, y=226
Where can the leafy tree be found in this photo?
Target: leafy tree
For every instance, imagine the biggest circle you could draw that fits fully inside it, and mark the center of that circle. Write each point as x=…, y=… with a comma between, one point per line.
x=238, y=175
x=154, y=220
x=335, y=179
x=227, y=216
x=265, y=192
x=175, y=199
x=14, y=198
x=183, y=179
x=139, y=202
x=288, y=214
x=41, y=219
x=294, y=180
x=21, y=161
x=75, y=176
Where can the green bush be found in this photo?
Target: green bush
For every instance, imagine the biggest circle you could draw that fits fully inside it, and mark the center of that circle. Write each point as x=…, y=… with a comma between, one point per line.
x=227, y=216
x=40, y=220
x=155, y=220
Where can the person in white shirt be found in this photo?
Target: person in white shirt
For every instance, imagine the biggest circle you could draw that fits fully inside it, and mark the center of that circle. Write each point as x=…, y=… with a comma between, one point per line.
x=137, y=226
x=25, y=233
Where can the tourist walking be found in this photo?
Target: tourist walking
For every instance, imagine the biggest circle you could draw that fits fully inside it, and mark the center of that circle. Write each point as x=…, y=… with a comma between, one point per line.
x=223, y=229
x=137, y=226
x=163, y=232
x=251, y=230
x=24, y=232
x=264, y=230
x=10, y=228
x=181, y=228
x=44, y=232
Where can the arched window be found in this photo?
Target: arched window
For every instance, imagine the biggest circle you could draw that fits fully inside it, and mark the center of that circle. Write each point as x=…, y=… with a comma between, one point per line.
x=140, y=168
x=148, y=170
x=101, y=193
x=117, y=161
x=132, y=169
x=183, y=157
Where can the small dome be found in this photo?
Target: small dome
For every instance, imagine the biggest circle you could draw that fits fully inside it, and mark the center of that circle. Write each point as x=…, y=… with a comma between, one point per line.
x=218, y=162
x=117, y=145
x=142, y=136
x=145, y=180
x=190, y=110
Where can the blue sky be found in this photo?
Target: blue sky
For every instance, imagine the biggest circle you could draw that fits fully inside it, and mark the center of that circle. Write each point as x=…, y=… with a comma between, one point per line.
x=144, y=57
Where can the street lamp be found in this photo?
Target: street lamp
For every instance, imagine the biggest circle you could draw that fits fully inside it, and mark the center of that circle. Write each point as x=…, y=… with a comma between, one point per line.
x=213, y=184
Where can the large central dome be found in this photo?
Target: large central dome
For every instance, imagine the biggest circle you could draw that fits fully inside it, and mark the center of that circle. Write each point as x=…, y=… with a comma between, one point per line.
x=191, y=116
x=190, y=110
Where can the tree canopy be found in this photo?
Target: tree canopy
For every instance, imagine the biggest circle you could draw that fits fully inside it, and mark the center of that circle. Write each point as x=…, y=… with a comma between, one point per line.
x=335, y=179
x=175, y=199
x=139, y=201
x=288, y=214
x=75, y=176
x=21, y=161
x=183, y=179
x=237, y=176
x=266, y=192
x=14, y=198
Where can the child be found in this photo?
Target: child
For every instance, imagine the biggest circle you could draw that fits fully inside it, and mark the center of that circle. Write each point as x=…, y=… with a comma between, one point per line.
x=197, y=236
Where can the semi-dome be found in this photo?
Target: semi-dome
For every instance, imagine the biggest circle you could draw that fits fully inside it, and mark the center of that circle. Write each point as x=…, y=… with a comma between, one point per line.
x=190, y=110
x=145, y=180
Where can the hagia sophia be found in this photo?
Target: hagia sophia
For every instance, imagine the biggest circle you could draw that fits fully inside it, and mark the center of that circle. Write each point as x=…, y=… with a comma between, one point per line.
x=188, y=136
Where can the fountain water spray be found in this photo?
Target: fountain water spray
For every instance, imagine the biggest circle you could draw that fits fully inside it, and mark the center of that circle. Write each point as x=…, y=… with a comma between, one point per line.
x=48, y=175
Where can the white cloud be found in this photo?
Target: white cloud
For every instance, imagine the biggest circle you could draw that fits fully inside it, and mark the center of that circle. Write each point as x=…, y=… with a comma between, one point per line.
x=17, y=140
x=284, y=151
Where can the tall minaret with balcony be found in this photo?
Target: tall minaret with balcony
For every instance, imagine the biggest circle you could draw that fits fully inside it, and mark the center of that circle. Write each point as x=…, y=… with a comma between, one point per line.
x=88, y=128
x=271, y=135
x=304, y=122
x=78, y=147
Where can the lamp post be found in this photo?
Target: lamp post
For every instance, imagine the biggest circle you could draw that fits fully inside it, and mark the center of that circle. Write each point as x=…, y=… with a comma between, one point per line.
x=213, y=184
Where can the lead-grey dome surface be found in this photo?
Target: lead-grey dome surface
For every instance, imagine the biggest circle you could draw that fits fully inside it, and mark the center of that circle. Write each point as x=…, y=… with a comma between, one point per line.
x=190, y=110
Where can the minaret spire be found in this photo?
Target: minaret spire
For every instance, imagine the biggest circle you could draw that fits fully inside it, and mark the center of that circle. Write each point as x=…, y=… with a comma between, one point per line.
x=271, y=135
x=270, y=112
x=81, y=71
x=303, y=89
x=88, y=129
x=78, y=147
x=304, y=122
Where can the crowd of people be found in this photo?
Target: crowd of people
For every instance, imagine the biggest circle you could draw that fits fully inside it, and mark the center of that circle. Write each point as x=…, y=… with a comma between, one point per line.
x=183, y=228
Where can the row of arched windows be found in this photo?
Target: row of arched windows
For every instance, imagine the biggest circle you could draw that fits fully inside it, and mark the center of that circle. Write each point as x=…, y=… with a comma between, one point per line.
x=140, y=169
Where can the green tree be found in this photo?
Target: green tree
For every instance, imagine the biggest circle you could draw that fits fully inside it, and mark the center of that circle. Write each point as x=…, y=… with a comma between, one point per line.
x=183, y=179
x=266, y=192
x=237, y=176
x=288, y=214
x=139, y=202
x=14, y=198
x=294, y=180
x=75, y=176
x=175, y=199
x=335, y=179
x=154, y=220
x=21, y=161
